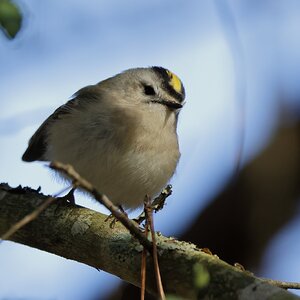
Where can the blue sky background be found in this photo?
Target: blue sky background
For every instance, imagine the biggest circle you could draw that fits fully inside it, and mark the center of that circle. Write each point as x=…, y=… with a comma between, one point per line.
x=65, y=45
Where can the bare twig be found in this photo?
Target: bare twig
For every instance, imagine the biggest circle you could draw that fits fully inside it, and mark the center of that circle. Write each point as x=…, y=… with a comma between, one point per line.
x=30, y=217
x=149, y=218
x=144, y=262
x=282, y=284
x=84, y=184
x=143, y=273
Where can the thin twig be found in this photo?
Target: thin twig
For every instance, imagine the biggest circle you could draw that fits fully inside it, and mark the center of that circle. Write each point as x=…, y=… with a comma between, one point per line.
x=30, y=217
x=149, y=218
x=144, y=262
x=282, y=284
x=84, y=184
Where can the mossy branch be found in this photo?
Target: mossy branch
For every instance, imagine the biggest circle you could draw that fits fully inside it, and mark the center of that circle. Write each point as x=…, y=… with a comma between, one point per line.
x=82, y=234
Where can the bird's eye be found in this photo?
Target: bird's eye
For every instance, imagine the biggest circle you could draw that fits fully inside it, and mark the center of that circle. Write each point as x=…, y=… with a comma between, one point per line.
x=149, y=90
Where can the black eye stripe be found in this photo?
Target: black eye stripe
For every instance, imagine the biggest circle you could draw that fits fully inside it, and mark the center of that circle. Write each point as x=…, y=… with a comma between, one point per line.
x=149, y=90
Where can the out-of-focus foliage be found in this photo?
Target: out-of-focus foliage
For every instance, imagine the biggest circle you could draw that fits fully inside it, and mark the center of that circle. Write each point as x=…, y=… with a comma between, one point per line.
x=10, y=18
x=202, y=276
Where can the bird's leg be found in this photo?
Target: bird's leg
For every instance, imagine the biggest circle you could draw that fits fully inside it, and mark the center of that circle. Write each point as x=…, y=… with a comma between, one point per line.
x=122, y=210
x=113, y=219
x=140, y=218
x=69, y=198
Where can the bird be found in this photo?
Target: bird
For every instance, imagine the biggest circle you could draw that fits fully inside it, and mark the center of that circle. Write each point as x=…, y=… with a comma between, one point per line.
x=119, y=134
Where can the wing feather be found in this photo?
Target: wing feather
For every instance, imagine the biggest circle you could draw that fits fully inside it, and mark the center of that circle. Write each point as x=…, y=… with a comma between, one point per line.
x=37, y=145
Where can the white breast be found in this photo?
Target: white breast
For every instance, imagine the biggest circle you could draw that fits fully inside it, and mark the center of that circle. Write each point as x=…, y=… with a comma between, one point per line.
x=142, y=163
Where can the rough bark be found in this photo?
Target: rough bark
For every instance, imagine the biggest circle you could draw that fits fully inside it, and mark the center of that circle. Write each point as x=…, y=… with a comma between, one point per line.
x=83, y=235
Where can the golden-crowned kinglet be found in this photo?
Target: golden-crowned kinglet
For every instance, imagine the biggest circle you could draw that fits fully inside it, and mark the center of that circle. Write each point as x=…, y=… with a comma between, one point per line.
x=119, y=134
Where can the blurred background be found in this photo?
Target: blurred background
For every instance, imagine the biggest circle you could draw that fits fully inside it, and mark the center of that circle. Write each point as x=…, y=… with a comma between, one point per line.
x=240, y=64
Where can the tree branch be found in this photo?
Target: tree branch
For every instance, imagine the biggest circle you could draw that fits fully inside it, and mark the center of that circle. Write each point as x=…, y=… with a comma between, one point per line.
x=78, y=181
x=81, y=234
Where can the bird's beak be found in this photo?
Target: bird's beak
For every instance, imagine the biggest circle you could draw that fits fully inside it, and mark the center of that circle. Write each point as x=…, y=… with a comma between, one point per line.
x=168, y=103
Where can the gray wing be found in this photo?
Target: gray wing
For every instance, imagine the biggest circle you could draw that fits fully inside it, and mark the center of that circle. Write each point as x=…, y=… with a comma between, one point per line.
x=37, y=145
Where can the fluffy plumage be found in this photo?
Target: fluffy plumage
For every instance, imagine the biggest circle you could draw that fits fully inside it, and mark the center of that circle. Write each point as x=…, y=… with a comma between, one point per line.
x=119, y=134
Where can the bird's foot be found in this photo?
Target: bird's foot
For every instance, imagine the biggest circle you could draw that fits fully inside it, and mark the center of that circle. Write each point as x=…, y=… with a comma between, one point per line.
x=68, y=198
x=113, y=219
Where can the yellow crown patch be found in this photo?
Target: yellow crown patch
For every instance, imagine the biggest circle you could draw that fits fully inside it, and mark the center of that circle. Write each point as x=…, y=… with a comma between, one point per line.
x=174, y=81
